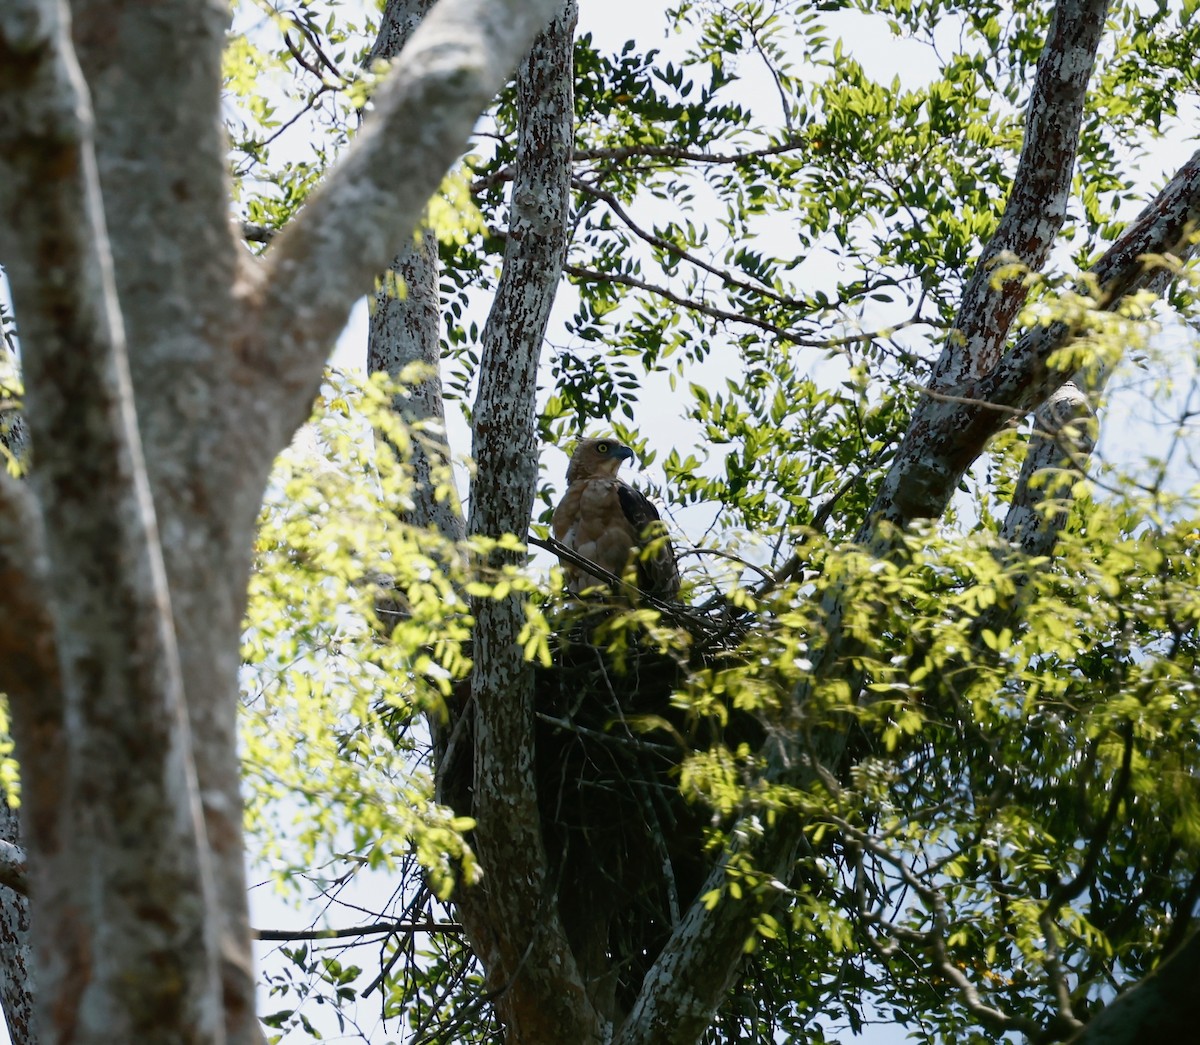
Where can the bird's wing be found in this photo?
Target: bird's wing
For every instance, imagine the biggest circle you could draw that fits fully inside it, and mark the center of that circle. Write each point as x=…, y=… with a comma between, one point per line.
x=657, y=570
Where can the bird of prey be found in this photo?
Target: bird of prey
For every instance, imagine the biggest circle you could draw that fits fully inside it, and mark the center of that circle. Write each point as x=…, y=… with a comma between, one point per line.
x=612, y=524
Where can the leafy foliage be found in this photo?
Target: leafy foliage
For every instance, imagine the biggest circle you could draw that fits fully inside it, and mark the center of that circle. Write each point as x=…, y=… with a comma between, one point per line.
x=773, y=234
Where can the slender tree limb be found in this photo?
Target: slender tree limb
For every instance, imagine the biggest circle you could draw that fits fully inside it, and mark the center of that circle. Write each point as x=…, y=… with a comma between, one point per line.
x=544, y=996
x=649, y=152
x=685, y=155
x=326, y=258
x=405, y=325
x=725, y=315
x=354, y=931
x=674, y=250
x=1037, y=203
x=652, y=152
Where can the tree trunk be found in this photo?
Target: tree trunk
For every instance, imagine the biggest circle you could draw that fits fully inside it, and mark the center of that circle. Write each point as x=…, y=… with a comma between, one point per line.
x=17, y=988
x=124, y=575
x=513, y=915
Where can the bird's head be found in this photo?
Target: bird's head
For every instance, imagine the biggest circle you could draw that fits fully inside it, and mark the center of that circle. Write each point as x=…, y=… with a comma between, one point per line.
x=597, y=457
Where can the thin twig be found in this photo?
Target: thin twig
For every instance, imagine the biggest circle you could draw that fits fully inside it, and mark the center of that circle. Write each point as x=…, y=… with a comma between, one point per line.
x=430, y=926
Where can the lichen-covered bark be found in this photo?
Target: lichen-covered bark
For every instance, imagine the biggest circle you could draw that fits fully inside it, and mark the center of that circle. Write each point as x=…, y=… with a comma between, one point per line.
x=154, y=75
x=17, y=986
x=124, y=948
x=691, y=977
x=405, y=324
x=516, y=918
x=1064, y=434
x=404, y=329
x=946, y=434
x=1037, y=202
x=124, y=702
x=397, y=24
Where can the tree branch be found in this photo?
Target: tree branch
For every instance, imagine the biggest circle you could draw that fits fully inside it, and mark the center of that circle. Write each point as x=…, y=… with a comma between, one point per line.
x=390, y=928
x=405, y=324
x=136, y=919
x=674, y=250
x=544, y=998
x=685, y=155
x=726, y=316
x=348, y=231
x=684, y=987
x=1037, y=204
x=947, y=434
x=1063, y=437
x=1160, y=1008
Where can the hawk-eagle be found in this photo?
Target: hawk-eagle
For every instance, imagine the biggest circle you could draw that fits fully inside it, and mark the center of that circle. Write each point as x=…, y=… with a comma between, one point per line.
x=610, y=523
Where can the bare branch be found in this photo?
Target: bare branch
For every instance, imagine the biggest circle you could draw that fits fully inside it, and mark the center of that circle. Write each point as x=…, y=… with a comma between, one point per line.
x=726, y=316
x=673, y=152
x=374, y=929
x=673, y=249
x=652, y=152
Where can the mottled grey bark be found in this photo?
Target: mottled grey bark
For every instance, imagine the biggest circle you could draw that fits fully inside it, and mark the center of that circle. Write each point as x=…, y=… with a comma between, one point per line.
x=155, y=82
x=122, y=929
x=405, y=327
x=1037, y=203
x=17, y=986
x=1064, y=434
x=513, y=916
x=125, y=690
x=948, y=432
x=399, y=21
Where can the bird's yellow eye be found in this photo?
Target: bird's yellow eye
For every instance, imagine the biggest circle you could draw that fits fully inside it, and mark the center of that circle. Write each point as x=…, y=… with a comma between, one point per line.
x=603, y=447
